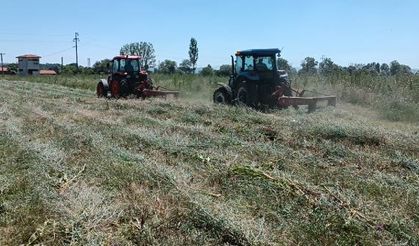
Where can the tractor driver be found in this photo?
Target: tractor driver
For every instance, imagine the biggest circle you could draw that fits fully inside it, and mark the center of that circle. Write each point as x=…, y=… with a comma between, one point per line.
x=128, y=67
x=261, y=66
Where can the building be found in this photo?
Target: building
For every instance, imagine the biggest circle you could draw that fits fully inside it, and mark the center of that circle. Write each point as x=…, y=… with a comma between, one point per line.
x=28, y=64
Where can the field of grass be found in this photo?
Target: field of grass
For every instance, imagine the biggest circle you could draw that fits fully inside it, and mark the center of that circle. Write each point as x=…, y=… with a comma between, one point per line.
x=75, y=169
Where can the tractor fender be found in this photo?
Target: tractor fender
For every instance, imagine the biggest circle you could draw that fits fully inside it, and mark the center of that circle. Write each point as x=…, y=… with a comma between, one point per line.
x=227, y=88
x=105, y=84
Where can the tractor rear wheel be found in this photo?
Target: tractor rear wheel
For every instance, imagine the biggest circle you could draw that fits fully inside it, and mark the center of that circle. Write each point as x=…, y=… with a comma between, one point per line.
x=115, y=89
x=100, y=90
x=221, y=96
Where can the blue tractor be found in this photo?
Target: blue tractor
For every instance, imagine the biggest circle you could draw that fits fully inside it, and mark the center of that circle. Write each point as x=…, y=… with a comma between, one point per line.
x=256, y=81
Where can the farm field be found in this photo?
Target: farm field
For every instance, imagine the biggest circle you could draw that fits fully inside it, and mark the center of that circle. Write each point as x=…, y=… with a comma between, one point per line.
x=75, y=169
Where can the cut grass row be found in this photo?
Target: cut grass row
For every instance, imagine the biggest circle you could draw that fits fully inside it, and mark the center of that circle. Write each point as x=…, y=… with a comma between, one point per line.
x=179, y=172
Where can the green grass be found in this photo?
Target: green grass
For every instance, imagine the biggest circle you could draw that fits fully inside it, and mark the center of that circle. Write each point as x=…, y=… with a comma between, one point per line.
x=395, y=98
x=80, y=170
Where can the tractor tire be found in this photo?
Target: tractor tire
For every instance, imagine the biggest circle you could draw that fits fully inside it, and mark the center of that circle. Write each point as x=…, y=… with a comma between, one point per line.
x=221, y=96
x=124, y=92
x=100, y=90
x=243, y=95
x=115, y=89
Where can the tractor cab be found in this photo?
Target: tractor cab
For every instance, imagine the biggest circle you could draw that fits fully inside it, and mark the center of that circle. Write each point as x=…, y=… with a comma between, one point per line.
x=253, y=78
x=126, y=64
x=252, y=64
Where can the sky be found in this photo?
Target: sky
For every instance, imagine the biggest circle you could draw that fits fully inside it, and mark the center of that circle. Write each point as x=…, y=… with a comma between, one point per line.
x=347, y=31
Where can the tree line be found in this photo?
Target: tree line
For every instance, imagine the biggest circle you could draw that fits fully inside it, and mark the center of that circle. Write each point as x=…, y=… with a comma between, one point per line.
x=326, y=67
x=309, y=66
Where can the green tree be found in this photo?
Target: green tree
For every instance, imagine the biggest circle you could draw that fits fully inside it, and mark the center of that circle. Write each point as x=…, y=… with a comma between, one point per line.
x=399, y=69
x=143, y=49
x=372, y=68
x=167, y=67
x=308, y=66
x=327, y=67
x=148, y=54
x=283, y=64
x=207, y=71
x=185, y=66
x=193, y=53
x=12, y=67
x=225, y=70
x=385, y=69
x=87, y=70
x=130, y=49
x=70, y=69
x=101, y=66
x=395, y=68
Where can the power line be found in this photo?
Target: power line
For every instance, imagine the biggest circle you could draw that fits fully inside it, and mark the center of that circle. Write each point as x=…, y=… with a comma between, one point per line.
x=58, y=52
x=76, y=40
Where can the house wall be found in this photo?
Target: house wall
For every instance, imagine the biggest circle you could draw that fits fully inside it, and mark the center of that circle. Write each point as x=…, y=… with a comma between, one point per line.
x=28, y=66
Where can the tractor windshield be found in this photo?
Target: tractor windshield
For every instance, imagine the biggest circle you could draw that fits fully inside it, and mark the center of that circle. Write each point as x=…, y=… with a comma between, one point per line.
x=264, y=63
x=129, y=66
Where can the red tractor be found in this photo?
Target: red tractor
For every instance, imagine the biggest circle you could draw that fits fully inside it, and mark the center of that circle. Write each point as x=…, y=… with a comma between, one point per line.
x=127, y=78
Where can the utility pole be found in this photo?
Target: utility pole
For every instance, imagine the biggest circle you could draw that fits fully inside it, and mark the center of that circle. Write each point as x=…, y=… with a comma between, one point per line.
x=62, y=63
x=2, y=68
x=76, y=40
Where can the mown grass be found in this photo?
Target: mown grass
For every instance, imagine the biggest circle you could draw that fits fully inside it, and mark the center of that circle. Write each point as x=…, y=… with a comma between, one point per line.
x=395, y=98
x=81, y=170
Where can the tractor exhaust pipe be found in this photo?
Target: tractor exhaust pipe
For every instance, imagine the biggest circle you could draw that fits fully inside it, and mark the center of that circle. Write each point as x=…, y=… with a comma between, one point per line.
x=233, y=70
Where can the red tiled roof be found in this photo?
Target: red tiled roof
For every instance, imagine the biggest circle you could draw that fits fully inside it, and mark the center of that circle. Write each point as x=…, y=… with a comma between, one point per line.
x=4, y=69
x=28, y=56
x=47, y=72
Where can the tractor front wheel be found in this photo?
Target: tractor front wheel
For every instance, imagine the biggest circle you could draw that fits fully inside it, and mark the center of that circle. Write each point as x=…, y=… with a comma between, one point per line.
x=221, y=96
x=100, y=90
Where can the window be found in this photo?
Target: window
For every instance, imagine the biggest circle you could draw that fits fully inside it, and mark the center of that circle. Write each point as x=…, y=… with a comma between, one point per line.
x=115, y=66
x=122, y=65
x=248, y=63
x=129, y=66
x=264, y=63
x=133, y=66
x=239, y=64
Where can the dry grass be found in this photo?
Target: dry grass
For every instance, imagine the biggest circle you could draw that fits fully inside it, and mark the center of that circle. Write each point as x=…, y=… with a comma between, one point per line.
x=79, y=170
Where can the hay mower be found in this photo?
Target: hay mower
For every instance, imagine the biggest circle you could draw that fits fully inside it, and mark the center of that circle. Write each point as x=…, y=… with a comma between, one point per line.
x=256, y=82
x=127, y=78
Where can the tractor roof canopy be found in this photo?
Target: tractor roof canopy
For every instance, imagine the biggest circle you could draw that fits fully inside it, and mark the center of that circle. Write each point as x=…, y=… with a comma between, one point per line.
x=258, y=52
x=127, y=57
